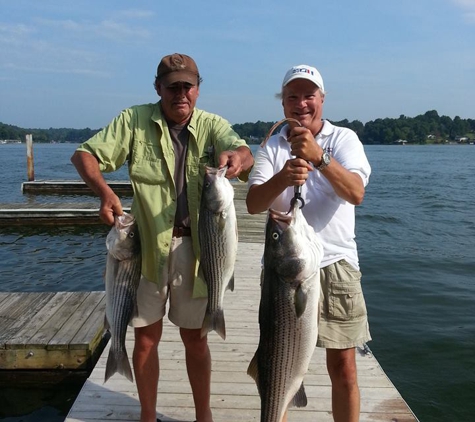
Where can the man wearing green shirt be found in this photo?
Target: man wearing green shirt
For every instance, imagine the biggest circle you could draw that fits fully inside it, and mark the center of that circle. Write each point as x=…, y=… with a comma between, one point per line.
x=167, y=146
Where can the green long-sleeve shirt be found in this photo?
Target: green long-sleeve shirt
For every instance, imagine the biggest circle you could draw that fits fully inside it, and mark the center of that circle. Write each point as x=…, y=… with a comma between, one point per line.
x=140, y=137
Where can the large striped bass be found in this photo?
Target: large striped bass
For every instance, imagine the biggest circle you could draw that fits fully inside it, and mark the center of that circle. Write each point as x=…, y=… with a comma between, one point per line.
x=217, y=229
x=288, y=312
x=122, y=278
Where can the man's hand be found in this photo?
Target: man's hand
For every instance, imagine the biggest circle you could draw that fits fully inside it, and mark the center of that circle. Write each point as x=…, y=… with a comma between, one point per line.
x=303, y=145
x=110, y=206
x=237, y=161
x=295, y=172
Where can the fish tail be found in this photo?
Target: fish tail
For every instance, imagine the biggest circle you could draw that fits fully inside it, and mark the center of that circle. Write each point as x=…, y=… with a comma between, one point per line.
x=214, y=321
x=118, y=362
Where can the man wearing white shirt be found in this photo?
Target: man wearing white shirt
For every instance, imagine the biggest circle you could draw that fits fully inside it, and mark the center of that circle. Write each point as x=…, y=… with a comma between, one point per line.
x=331, y=168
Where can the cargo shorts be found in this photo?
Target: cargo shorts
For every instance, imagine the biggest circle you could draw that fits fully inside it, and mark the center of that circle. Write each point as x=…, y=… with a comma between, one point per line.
x=343, y=319
x=184, y=310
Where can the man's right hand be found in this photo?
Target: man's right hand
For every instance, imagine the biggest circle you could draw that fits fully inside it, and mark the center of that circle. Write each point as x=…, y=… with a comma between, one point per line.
x=110, y=206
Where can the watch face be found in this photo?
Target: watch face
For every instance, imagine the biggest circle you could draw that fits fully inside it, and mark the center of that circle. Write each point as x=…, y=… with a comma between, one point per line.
x=326, y=158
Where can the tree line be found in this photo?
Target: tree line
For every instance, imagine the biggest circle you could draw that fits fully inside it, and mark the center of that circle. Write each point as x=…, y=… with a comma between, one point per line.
x=60, y=135
x=422, y=129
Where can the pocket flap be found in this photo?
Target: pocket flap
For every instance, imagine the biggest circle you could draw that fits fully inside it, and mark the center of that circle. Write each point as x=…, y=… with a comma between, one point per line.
x=346, y=288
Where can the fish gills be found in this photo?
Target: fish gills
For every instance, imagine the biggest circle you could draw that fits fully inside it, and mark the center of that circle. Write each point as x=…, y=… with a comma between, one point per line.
x=123, y=269
x=217, y=229
x=288, y=313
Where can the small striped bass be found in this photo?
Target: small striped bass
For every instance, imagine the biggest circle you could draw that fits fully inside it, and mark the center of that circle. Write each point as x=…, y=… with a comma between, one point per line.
x=217, y=228
x=122, y=277
x=288, y=312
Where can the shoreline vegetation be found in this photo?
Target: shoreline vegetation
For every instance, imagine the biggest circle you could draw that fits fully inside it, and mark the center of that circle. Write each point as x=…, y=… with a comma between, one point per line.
x=427, y=128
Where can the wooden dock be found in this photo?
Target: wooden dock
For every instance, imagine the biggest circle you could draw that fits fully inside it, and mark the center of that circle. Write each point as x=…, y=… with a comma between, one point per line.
x=72, y=187
x=233, y=393
x=45, y=331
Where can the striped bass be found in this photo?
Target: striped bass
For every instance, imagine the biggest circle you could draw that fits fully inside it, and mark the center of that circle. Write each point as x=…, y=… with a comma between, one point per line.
x=288, y=312
x=218, y=237
x=122, y=277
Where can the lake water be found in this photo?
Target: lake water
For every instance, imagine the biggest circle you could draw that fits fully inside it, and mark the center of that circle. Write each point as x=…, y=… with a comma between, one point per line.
x=416, y=237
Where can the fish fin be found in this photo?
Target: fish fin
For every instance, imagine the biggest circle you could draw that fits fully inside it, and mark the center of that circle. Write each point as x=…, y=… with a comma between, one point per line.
x=106, y=323
x=253, y=369
x=222, y=221
x=300, y=398
x=214, y=322
x=200, y=273
x=231, y=284
x=118, y=362
x=300, y=301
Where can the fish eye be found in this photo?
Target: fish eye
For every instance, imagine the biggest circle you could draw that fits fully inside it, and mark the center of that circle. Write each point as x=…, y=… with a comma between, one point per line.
x=275, y=235
x=131, y=234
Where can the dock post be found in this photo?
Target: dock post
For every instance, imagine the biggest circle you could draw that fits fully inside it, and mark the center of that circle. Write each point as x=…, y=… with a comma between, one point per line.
x=29, y=158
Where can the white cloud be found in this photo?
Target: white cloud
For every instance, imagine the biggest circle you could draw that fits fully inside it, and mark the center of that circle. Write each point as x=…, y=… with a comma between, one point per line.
x=108, y=28
x=469, y=9
x=12, y=34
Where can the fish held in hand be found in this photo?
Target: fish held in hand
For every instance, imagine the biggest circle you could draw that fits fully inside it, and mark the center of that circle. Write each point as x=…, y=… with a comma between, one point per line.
x=122, y=277
x=288, y=312
x=217, y=228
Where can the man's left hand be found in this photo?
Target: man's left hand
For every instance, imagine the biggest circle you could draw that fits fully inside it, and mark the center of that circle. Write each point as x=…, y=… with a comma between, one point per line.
x=303, y=145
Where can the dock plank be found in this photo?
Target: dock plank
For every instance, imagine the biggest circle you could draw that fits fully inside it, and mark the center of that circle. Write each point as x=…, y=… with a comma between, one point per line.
x=51, y=314
x=77, y=316
x=20, y=307
x=92, y=329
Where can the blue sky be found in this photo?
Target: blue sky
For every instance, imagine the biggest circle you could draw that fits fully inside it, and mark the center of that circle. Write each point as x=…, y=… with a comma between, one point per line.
x=79, y=63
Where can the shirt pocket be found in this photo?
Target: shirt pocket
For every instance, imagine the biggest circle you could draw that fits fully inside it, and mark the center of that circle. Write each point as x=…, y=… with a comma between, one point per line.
x=346, y=299
x=147, y=165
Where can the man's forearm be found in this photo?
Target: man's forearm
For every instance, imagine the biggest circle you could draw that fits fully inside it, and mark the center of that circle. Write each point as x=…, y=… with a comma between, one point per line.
x=88, y=168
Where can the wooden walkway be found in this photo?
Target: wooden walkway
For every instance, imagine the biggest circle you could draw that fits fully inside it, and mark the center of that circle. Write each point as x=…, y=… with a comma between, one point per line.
x=50, y=330
x=234, y=394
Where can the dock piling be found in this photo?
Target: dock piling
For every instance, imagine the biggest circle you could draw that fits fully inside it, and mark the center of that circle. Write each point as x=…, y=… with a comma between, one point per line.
x=29, y=157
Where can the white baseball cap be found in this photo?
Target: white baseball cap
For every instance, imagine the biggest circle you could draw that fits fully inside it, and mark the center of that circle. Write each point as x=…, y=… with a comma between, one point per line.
x=304, y=72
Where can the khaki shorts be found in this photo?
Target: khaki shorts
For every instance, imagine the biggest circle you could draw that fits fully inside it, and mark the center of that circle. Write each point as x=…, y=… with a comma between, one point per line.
x=343, y=320
x=184, y=311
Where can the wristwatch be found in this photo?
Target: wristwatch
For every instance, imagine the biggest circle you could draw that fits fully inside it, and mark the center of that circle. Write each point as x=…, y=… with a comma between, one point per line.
x=326, y=158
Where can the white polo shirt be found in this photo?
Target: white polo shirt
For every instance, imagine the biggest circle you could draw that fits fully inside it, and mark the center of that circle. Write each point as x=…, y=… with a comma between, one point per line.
x=332, y=218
